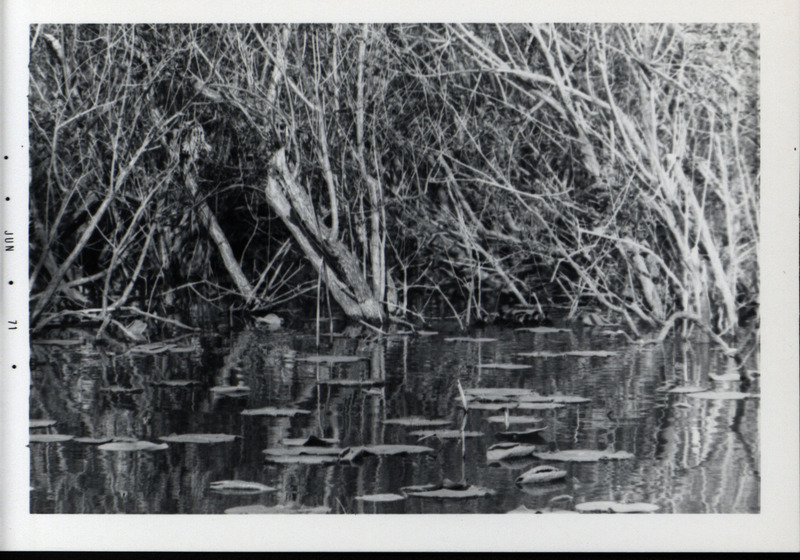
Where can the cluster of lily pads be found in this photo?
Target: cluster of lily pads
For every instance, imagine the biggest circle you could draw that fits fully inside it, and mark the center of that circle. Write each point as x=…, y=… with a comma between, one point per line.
x=510, y=403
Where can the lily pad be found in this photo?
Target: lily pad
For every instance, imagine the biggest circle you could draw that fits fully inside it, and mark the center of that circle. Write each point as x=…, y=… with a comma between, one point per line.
x=569, y=399
x=526, y=436
x=332, y=359
x=687, y=389
x=469, y=339
x=492, y=405
x=273, y=411
x=498, y=392
x=133, y=446
x=542, y=354
x=260, y=508
x=176, y=383
x=355, y=453
x=303, y=459
x=240, y=487
x=514, y=420
x=231, y=390
x=448, y=490
x=540, y=474
x=725, y=376
x=534, y=398
x=116, y=389
x=49, y=438
x=577, y=353
x=591, y=353
x=539, y=406
x=381, y=498
x=352, y=382
x=92, y=440
x=444, y=434
x=198, y=438
x=542, y=330
x=302, y=450
x=583, y=455
x=720, y=395
x=41, y=423
x=417, y=421
x=509, y=367
x=501, y=451
x=310, y=441
x=615, y=507
x=523, y=509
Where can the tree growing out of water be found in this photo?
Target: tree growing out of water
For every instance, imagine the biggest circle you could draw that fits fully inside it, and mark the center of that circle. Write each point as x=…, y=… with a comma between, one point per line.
x=489, y=168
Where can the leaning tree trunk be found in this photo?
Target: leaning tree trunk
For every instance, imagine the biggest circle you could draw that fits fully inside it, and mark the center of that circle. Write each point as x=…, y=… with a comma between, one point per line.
x=336, y=264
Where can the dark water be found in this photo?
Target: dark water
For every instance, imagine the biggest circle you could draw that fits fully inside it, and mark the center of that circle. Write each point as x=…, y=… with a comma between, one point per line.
x=690, y=455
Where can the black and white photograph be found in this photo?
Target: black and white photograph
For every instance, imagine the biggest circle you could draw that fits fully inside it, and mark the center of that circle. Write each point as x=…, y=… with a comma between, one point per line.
x=363, y=268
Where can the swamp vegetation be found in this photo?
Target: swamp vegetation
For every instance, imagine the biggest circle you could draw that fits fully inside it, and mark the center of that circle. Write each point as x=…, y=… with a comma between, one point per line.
x=394, y=268
x=392, y=174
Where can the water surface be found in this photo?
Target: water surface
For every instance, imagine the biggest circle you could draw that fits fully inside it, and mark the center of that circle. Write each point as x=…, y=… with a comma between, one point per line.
x=689, y=455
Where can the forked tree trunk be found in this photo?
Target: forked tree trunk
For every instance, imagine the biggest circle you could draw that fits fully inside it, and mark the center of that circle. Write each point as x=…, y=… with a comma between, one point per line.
x=342, y=268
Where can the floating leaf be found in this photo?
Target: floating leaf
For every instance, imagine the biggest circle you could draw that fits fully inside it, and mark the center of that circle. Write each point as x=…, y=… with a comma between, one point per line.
x=381, y=498
x=331, y=359
x=539, y=406
x=468, y=339
x=302, y=450
x=591, y=353
x=49, y=438
x=734, y=376
x=260, y=508
x=120, y=389
x=493, y=405
x=416, y=421
x=498, y=392
x=719, y=395
x=355, y=453
x=583, y=455
x=427, y=333
x=523, y=509
x=687, y=389
x=42, y=423
x=523, y=436
x=240, y=487
x=303, y=459
x=543, y=354
x=577, y=353
x=502, y=451
x=92, y=440
x=514, y=420
x=540, y=474
x=310, y=441
x=508, y=367
x=542, y=330
x=569, y=399
x=198, y=438
x=351, y=382
x=534, y=398
x=444, y=434
x=615, y=507
x=231, y=390
x=133, y=446
x=448, y=489
x=272, y=411
x=176, y=383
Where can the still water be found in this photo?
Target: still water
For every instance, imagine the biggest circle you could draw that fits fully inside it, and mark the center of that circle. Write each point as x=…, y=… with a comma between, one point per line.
x=688, y=454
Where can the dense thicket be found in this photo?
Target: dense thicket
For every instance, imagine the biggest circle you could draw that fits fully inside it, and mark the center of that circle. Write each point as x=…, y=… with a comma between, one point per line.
x=482, y=168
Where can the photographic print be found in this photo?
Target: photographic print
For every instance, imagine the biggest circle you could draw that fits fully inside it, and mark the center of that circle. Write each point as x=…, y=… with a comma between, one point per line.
x=430, y=268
